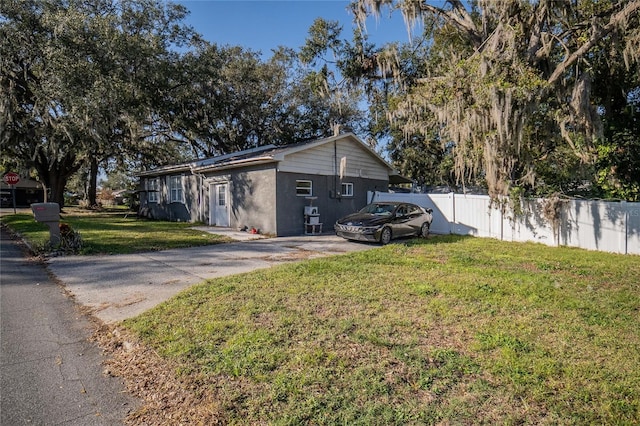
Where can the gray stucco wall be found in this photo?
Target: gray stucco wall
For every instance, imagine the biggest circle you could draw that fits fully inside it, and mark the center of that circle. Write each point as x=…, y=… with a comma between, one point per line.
x=186, y=211
x=263, y=198
x=290, y=207
x=253, y=198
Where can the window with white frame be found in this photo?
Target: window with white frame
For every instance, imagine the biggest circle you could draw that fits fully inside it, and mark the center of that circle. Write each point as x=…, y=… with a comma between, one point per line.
x=347, y=189
x=304, y=188
x=176, y=193
x=222, y=195
x=153, y=190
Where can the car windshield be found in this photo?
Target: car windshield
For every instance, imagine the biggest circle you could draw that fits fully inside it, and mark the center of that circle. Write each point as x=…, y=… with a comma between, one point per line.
x=379, y=209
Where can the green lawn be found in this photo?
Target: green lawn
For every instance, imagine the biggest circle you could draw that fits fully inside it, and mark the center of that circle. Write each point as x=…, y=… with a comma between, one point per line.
x=451, y=330
x=113, y=232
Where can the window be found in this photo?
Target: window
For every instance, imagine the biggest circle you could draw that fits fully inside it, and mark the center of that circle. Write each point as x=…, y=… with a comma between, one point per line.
x=153, y=190
x=347, y=189
x=175, y=189
x=304, y=188
x=222, y=195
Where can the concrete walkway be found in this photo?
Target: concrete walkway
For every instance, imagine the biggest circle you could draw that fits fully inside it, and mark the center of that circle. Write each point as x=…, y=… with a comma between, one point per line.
x=117, y=287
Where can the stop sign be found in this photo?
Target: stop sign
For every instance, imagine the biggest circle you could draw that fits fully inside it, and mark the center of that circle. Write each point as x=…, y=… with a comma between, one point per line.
x=11, y=178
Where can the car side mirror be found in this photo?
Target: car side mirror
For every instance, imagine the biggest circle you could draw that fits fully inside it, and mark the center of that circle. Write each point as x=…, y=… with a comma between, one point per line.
x=429, y=210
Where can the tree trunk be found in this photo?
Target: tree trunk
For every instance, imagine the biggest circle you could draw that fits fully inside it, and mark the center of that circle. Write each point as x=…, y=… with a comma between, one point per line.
x=54, y=183
x=57, y=185
x=56, y=174
x=92, y=192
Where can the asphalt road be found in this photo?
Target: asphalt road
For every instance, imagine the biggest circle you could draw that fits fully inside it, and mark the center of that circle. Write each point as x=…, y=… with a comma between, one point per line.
x=50, y=373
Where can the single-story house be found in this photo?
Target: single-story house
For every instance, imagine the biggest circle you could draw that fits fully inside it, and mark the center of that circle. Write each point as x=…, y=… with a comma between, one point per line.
x=27, y=192
x=277, y=190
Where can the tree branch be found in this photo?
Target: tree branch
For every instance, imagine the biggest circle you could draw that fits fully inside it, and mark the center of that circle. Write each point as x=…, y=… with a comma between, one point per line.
x=458, y=17
x=596, y=36
x=537, y=20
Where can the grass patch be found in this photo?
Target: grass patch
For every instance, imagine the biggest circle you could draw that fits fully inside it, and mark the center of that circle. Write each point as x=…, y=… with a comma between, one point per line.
x=450, y=330
x=113, y=232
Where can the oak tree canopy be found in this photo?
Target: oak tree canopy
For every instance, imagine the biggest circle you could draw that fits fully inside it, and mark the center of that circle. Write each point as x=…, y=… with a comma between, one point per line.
x=509, y=84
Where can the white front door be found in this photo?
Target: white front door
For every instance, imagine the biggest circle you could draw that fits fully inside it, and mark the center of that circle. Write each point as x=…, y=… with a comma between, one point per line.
x=219, y=204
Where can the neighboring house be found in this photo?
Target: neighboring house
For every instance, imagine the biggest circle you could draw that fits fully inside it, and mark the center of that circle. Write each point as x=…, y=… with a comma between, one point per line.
x=118, y=197
x=268, y=188
x=27, y=191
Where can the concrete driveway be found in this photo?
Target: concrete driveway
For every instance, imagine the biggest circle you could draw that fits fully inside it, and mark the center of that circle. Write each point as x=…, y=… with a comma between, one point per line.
x=116, y=287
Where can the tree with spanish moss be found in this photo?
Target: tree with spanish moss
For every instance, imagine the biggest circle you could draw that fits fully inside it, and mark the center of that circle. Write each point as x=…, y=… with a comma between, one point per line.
x=81, y=82
x=510, y=84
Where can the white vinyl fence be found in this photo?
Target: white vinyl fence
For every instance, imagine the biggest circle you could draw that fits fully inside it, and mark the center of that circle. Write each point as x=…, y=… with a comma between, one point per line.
x=593, y=225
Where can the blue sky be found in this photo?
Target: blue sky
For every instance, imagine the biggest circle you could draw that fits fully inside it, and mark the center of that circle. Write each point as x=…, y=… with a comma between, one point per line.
x=266, y=24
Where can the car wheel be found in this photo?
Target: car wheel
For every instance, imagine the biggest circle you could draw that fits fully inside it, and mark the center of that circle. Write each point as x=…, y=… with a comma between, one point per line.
x=385, y=235
x=424, y=230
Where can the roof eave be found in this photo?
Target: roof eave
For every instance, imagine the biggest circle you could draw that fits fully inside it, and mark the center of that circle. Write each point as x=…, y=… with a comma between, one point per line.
x=396, y=178
x=166, y=170
x=234, y=164
x=280, y=156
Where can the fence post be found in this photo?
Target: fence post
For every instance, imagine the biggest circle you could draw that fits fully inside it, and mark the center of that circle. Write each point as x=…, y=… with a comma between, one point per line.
x=452, y=224
x=557, y=224
x=371, y=196
x=501, y=224
x=626, y=206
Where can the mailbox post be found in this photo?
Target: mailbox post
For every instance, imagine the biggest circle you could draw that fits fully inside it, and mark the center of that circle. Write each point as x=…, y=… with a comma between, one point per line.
x=49, y=214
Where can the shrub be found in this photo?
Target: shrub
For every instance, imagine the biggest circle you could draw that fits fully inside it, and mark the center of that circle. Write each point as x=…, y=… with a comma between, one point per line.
x=70, y=241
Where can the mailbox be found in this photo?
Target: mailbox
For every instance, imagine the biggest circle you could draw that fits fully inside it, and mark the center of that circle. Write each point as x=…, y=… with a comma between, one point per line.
x=49, y=214
x=46, y=212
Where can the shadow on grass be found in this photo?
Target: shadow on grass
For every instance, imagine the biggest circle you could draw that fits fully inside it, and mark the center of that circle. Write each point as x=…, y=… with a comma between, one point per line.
x=435, y=239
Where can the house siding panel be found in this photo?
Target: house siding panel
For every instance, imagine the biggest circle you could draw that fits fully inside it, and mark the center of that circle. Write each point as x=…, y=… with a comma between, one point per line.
x=348, y=157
